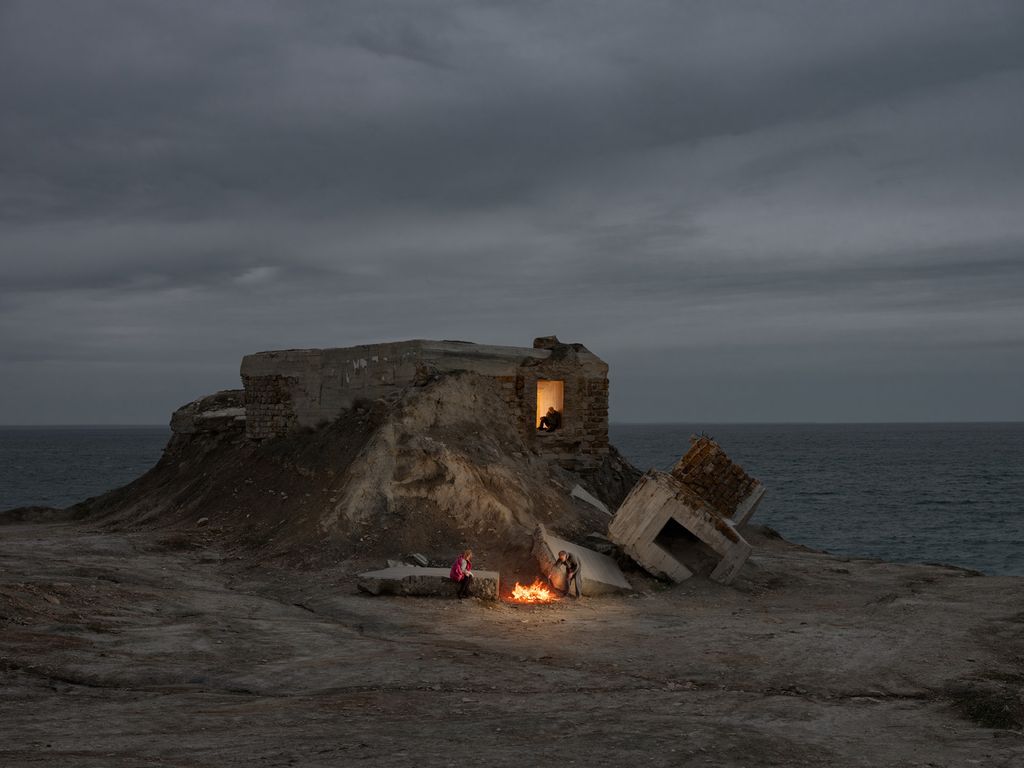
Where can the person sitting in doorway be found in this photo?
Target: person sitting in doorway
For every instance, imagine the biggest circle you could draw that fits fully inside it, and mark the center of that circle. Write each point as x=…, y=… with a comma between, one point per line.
x=571, y=564
x=462, y=573
x=550, y=421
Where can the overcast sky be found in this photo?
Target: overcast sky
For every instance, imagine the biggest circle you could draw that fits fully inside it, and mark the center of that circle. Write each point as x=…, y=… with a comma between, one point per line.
x=754, y=211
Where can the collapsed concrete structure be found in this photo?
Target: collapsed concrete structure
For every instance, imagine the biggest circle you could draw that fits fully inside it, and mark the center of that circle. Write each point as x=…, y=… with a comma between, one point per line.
x=600, y=575
x=289, y=389
x=685, y=521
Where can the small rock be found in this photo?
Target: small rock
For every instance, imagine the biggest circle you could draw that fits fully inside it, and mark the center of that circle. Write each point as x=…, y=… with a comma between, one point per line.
x=202, y=521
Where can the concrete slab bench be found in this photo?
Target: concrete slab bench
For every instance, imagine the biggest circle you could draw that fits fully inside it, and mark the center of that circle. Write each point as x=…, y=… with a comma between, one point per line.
x=414, y=580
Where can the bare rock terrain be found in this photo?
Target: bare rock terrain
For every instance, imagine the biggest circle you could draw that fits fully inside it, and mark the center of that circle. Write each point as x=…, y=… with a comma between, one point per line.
x=207, y=615
x=157, y=648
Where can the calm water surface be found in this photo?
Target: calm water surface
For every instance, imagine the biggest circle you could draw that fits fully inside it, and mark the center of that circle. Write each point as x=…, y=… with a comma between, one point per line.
x=950, y=493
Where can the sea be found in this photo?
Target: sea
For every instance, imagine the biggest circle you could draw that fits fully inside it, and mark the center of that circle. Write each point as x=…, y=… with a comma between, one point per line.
x=921, y=493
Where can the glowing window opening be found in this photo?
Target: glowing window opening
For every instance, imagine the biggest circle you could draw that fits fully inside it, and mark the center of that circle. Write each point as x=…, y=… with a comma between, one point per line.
x=550, y=394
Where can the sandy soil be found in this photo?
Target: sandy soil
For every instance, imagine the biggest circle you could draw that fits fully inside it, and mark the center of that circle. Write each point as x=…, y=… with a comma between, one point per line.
x=131, y=650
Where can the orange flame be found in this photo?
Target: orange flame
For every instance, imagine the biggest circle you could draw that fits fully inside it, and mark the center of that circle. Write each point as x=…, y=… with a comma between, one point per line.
x=535, y=593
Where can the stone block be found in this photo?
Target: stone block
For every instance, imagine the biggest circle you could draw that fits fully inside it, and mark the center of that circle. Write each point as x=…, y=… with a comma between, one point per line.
x=600, y=574
x=412, y=580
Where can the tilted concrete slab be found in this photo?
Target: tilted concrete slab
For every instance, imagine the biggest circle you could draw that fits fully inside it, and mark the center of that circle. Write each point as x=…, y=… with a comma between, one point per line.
x=653, y=503
x=581, y=493
x=414, y=580
x=746, y=508
x=600, y=574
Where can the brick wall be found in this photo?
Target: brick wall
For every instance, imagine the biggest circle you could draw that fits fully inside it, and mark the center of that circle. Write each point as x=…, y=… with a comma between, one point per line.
x=708, y=472
x=269, y=409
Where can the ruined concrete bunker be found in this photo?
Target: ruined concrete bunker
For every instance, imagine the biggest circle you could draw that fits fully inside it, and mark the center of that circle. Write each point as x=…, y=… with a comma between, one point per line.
x=289, y=389
x=676, y=523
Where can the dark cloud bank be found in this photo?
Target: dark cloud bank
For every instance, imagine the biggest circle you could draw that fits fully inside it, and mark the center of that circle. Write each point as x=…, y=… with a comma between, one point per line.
x=754, y=211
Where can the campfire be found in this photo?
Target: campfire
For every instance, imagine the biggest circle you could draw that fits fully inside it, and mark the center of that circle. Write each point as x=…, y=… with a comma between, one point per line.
x=538, y=592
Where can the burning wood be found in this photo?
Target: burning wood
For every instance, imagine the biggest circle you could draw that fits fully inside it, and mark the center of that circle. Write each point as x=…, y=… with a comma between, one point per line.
x=534, y=593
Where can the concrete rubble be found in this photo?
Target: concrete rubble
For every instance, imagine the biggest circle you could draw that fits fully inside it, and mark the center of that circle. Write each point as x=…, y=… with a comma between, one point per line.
x=219, y=412
x=686, y=521
x=413, y=580
x=600, y=574
x=579, y=492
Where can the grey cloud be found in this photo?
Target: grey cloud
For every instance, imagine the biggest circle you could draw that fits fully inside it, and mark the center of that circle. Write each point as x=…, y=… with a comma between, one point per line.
x=164, y=111
x=764, y=182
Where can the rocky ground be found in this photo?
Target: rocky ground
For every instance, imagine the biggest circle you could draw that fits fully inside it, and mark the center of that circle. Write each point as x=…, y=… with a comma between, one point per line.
x=142, y=649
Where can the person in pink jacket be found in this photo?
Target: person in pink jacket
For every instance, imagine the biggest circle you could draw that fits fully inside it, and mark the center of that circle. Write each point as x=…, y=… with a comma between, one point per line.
x=462, y=572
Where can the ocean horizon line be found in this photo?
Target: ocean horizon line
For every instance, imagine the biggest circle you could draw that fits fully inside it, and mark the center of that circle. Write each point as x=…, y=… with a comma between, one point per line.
x=679, y=423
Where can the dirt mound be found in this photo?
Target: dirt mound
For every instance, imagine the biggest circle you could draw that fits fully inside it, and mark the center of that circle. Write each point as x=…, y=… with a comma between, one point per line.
x=437, y=468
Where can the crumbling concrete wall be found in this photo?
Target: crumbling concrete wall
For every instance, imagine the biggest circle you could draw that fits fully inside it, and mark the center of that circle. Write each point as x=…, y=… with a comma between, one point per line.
x=674, y=523
x=294, y=388
x=219, y=412
x=288, y=389
x=655, y=501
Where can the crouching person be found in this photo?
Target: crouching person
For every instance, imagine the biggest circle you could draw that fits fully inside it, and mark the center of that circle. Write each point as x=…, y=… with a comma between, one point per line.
x=573, y=576
x=462, y=573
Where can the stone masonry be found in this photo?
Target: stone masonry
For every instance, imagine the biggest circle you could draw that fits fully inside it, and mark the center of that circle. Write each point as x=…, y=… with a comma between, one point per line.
x=289, y=389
